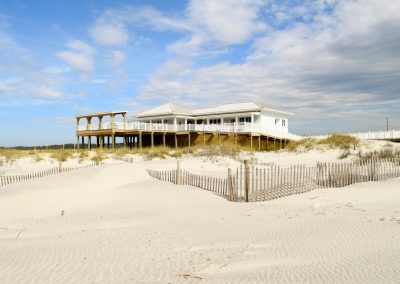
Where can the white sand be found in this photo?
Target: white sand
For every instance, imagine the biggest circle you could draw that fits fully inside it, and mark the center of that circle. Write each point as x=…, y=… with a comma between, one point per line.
x=121, y=226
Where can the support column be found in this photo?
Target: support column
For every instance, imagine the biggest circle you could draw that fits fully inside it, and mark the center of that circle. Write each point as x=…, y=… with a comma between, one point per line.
x=259, y=143
x=101, y=141
x=140, y=140
x=189, y=139
x=90, y=142
x=274, y=143
x=236, y=139
x=113, y=141
x=176, y=141
x=163, y=139
x=77, y=142
x=251, y=142
x=125, y=138
x=204, y=138
x=152, y=139
x=280, y=144
x=83, y=142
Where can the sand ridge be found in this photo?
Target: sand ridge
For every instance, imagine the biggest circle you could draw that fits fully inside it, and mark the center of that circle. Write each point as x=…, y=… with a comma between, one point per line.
x=121, y=226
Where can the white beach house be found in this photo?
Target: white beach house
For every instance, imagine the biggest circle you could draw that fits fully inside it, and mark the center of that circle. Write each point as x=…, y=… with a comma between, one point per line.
x=175, y=125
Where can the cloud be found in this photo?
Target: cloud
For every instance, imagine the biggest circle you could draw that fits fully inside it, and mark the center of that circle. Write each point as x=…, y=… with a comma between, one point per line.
x=333, y=57
x=226, y=21
x=22, y=78
x=116, y=58
x=109, y=34
x=79, y=56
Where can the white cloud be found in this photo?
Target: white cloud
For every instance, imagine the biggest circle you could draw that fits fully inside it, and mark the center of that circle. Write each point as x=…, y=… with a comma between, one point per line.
x=79, y=57
x=340, y=57
x=109, y=34
x=226, y=21
x=116, y=58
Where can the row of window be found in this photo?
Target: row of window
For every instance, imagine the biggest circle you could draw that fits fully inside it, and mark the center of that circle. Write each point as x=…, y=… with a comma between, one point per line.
x=218, y=121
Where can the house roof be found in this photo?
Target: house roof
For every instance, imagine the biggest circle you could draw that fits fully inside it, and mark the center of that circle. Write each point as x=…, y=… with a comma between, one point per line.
x=165, y=109
x=238, y=107
x=173, y=109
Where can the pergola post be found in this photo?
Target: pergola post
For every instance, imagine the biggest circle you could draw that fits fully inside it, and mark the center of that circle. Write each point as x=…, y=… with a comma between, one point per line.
x=124, y=115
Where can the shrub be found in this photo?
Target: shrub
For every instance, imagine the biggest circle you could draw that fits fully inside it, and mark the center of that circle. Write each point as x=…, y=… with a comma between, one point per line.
x=343, y=154
x=98, y=157
x=340, y=141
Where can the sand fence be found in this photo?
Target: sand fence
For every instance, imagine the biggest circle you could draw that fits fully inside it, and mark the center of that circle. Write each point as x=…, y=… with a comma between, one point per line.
x=10, y=179
x=250, y=183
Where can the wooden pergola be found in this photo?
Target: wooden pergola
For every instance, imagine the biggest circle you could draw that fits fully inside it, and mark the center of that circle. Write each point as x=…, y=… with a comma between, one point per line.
x=100, y=116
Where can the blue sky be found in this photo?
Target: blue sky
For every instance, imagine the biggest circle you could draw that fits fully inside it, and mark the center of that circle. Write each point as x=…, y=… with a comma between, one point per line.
x=333, y=63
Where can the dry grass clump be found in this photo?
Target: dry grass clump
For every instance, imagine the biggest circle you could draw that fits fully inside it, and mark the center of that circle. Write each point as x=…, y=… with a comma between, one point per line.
x=10, y=154
x=334, y=141
x=305, y=144
x=98, y=157
x=61, y=155
x=387, y=152
x=341, y=141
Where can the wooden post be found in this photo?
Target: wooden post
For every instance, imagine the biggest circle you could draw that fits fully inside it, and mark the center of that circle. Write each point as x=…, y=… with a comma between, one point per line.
x=163, y=139
x=236, y=139
x=113, y=140
x=176, y=141
x=152, y=139
x=189, y=139
x=259, y=143
x=231, y=195
x=89, y=142
x=178, y=172
x=140, y=140
x=251, y=142
x=204, y=138
x=83, y=142
x=77, y=142
x=246, y=180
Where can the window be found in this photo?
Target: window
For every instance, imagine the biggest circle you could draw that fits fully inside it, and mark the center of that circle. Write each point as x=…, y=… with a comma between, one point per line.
x=283, y=122
x=276, y=121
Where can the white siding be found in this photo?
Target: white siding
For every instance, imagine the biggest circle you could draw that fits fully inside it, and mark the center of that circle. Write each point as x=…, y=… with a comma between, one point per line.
x=273, y=121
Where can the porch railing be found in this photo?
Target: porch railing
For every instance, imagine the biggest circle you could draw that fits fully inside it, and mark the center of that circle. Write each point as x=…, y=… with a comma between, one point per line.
x=241, y=127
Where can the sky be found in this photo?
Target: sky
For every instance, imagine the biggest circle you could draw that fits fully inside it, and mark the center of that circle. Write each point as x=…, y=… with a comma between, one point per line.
x=335, y=64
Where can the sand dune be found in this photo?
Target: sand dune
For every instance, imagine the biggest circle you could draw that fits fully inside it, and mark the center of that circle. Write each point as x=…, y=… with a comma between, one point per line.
x=121, y=226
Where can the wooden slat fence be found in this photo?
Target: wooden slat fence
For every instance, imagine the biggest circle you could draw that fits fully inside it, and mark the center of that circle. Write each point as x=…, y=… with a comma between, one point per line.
x=10, y=179
x=183, y=177
x=250, y=183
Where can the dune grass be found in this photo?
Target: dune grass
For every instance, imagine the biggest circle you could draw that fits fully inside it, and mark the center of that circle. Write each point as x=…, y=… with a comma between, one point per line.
x=334, y=141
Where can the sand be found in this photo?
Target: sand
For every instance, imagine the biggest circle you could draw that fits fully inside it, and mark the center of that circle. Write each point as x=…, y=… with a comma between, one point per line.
x=115, y=224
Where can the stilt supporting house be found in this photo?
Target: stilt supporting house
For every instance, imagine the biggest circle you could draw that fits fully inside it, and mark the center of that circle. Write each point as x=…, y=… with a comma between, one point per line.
x=173, y=126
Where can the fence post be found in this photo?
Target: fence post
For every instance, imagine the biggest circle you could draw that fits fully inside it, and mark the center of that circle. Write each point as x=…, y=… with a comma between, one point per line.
x=231, y=195
x=178, y=172
x=246, y=180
